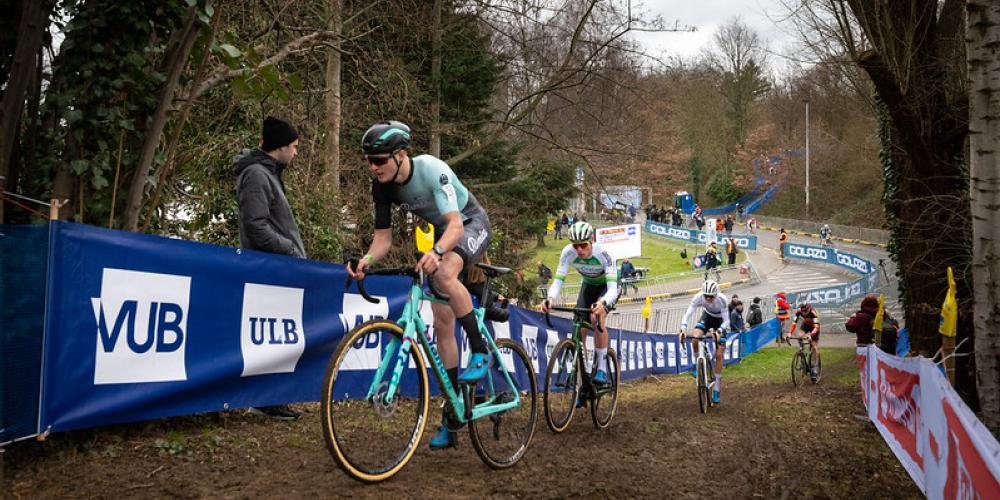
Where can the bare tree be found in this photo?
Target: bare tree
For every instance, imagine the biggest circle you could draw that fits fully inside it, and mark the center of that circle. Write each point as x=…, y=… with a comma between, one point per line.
x=33, y=24
x=982, y=38
x=331, y=176
x=913, y=53
x=743, y=72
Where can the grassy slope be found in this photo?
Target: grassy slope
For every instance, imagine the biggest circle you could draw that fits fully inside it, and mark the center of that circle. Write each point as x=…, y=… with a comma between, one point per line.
x=660, y=255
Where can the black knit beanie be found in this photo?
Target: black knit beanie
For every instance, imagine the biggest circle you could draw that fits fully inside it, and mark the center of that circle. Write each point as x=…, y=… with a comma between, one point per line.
x=277, y=134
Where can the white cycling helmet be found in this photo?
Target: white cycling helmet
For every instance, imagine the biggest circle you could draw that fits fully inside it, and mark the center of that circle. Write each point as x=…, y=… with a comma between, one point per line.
x=580, y=232
x=710, y=287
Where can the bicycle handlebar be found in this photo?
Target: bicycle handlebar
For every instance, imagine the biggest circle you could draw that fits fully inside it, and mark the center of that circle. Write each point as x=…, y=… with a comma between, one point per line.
x=392, y=271
x=580, y=310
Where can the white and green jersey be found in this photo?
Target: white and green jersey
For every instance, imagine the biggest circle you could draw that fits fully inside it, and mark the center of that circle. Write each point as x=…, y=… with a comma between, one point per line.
x=597, y=270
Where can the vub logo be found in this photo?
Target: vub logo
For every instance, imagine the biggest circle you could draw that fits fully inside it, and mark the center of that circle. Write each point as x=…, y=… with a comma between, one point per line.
x=271, y=335
x=141, y=327
x=366, y=352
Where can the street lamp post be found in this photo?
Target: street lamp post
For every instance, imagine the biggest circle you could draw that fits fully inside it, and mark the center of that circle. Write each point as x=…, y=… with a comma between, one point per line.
x=807, y=155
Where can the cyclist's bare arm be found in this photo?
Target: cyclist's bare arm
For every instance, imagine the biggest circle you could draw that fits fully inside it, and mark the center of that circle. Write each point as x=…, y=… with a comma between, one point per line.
x=381, y=243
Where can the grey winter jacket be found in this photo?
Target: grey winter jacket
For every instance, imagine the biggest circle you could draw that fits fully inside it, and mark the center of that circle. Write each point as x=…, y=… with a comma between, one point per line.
x=266, y=221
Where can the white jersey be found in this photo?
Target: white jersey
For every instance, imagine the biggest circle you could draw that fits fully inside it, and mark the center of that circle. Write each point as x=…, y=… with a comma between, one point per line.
x=597, y=270
x=717, y=308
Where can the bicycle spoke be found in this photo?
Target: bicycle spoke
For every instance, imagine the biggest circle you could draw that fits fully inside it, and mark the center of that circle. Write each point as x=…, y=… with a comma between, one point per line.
x=372, y=438
x=501, y=439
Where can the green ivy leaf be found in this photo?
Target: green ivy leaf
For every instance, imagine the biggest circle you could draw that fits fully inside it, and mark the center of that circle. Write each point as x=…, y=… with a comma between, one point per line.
x=241, y=90
x=230, y=51
x=79, y=166
x=270, y=74
x=294, y=82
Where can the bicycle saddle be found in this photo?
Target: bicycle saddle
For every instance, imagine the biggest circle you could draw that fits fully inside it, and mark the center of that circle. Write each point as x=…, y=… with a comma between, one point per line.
x=493, y=271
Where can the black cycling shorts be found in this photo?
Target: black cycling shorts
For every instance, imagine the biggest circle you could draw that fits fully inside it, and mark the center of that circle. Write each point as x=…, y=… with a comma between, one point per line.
x=708, y=322
x=589, y=295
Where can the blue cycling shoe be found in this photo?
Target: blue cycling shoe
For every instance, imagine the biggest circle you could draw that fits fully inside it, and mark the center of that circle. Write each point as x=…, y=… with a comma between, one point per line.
x=601, y=378
x=476, y=370
x=444, y=438
x=716, y=397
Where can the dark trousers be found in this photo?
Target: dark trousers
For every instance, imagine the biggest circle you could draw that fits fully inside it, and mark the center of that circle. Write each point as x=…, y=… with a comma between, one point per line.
x=732, y=259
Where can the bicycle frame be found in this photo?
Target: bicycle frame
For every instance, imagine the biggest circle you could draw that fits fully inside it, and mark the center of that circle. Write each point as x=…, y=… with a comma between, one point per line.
x=414, y=330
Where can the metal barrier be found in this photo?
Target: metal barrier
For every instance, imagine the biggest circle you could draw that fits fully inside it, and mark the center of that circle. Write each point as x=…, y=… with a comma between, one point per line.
x=862, y=234
x=662, y=286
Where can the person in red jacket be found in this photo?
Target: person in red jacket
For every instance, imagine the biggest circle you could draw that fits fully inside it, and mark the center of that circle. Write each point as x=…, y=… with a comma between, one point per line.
x=782, y=311
x=860, y=323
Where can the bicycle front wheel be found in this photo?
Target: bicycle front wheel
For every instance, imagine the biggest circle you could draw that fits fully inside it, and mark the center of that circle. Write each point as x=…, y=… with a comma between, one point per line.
x=799, y=369
x=501, y=439
x=602, y=408
x=372, y=437
x=704, y=398
x=562, y=385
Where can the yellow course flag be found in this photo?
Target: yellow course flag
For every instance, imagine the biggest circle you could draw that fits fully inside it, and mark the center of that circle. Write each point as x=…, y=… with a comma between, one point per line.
x=425, y=241
x=877, y=323
x=551, y=226
x=949, y=310
x=648, y=308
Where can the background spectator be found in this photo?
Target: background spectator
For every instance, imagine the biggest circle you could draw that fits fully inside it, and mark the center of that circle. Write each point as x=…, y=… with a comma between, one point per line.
x=860, y=323
x=731, y=250
x=736, y=316
x=756, y=315
x=544, y=272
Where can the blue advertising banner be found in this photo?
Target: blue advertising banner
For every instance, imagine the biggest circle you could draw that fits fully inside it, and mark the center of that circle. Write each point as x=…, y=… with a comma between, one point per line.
x=744, y=241
x=835, y=294
x=140, y=327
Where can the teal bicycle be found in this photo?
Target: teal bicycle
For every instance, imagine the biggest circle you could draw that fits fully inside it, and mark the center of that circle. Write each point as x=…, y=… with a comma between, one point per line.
x=376, y=392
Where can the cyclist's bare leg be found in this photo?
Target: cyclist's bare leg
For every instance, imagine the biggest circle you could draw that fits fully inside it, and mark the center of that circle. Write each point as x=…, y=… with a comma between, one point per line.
x=719, y=350
x=601, y=336
x=444, y=334
x=446, y=278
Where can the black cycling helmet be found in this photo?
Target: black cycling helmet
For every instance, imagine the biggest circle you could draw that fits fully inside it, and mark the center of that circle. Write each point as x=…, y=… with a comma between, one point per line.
x=385, y=137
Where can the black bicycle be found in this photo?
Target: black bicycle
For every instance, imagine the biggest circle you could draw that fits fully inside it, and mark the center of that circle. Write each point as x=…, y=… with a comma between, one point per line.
x=802, y=364
x=568, y=383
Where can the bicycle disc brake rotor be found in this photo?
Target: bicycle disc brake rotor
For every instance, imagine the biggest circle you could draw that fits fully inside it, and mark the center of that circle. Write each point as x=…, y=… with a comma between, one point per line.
x=383, y=409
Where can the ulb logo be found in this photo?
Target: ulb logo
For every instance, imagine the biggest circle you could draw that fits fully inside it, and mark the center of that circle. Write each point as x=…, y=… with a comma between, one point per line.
x=141, y=326
x=366, y=352
x=271, y=335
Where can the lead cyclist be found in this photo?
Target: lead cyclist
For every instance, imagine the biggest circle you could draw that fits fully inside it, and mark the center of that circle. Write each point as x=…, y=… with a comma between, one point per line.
x=599, y=289
x=715, y=317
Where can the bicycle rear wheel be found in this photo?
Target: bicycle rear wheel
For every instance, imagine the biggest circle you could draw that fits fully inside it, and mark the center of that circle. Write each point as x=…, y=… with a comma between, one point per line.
x=371, y=439
x=799, y=368
x=602, y=408
x=501, y=439
x=704, y=398
x=562, y=385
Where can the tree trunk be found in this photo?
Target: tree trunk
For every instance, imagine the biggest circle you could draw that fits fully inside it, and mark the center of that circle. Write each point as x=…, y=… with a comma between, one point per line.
x=29, y=40
x=436, y=80
x=983, y=57
x=331, y=178
x=175, y=66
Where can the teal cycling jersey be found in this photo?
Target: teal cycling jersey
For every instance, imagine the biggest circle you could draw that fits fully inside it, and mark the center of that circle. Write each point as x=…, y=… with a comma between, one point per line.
x=431, y=190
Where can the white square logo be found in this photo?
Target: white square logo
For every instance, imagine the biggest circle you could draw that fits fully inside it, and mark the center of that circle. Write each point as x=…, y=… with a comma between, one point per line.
x=141, y=327
x=272, y=337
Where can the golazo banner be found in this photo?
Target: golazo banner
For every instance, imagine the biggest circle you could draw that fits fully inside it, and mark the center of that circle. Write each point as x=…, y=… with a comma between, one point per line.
x=744, y=241
x=947, y=451
x=140, y=327
x=834, y=294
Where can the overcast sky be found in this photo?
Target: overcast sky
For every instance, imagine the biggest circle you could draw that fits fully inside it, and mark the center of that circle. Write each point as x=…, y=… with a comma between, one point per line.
x=707, y=15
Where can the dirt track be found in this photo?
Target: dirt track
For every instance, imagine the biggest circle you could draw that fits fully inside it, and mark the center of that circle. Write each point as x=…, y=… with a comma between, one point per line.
x=773, y=441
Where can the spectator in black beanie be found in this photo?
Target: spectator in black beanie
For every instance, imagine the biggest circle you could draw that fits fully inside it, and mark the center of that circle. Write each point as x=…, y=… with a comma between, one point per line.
x=265, y=218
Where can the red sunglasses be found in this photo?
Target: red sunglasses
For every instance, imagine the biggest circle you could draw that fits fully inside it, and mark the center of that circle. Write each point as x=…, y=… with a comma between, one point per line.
x=378, y=161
